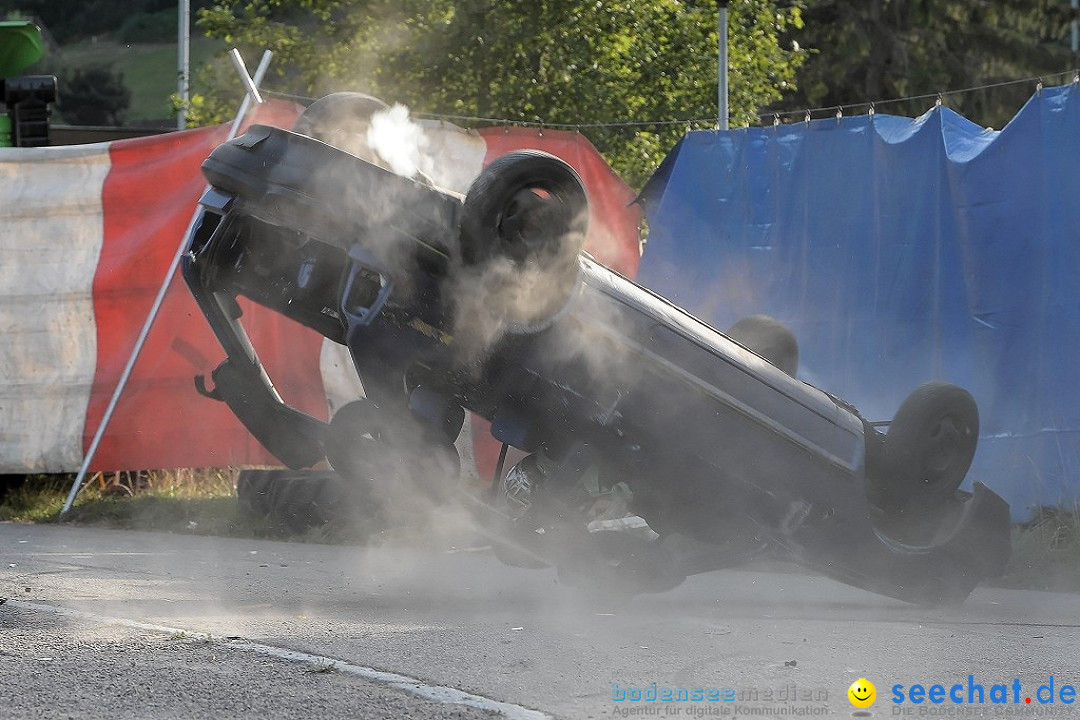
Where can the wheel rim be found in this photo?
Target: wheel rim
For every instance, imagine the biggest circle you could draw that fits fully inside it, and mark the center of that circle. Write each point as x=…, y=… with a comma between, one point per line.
x=530, y=223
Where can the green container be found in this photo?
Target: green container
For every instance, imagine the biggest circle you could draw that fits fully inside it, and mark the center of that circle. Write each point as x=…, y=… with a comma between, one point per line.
x=5, y=131
x=20, y=46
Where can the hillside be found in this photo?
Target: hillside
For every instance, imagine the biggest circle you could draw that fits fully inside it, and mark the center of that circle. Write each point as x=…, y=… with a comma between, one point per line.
x=149, y=70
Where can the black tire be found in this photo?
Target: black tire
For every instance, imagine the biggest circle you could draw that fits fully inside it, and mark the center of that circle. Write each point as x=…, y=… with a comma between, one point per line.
x=401, y=451
x=294, y=501
x=392, y=427
x=523, y=225
x=769, y=338
x=929, y=447
x=292, y=504
x=253, y=492
x=504, y=217
x=342, y=120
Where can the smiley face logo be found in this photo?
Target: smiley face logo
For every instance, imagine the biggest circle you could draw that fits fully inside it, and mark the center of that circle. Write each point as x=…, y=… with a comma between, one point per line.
x=862, y=693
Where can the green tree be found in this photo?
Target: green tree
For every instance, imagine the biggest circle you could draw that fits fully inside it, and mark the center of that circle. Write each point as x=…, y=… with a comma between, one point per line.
x=73, y=20
x=568, y=62
x=94, y=96
x=882, y=49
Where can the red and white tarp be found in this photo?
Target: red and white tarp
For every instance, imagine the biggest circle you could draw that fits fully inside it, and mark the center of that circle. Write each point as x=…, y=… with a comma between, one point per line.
x=88, y=233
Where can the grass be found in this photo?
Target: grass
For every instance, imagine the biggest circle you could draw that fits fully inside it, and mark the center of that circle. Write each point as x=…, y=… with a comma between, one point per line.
x=196, y=502
x=187, y=501
x=149, y=69
x=1046, y=552
x=38, y=499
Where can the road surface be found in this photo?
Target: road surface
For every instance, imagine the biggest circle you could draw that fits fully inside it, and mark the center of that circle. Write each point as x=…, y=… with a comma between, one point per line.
x=106, y=624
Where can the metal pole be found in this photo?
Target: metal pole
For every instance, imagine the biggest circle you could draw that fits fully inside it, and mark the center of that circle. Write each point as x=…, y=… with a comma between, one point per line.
x=141, y=340
x=251, y=87
x=183, y=62
x=722, y=66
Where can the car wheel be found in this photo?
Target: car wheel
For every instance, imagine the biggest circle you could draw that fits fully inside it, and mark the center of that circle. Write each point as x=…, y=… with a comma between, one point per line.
x=769, y=338
x=252, y=492
x=352, y=437
x=512, y=498
x=294, y=501
x=929, y=446
x=522, y=227
x=389, y=449
x=342, y=120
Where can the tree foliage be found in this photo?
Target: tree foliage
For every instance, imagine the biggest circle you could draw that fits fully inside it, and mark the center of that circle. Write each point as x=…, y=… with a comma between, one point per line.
x=574, y=62
x=94, y=96
x=587, y=63
x=880, y=49
x=73, y=20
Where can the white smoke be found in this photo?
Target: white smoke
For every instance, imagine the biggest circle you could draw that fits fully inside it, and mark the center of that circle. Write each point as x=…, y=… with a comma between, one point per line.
x=400, y=142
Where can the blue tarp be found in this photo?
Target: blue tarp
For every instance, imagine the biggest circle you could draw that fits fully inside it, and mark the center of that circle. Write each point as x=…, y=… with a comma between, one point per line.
x=900, y=251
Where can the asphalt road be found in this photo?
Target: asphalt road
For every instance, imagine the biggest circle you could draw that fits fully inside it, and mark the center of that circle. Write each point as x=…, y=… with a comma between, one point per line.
x=116, y=624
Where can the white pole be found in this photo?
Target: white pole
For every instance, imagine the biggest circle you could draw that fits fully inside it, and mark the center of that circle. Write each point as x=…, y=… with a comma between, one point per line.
x=183, y=62
x=250, y=86
x=722, y=67
x=141, y=340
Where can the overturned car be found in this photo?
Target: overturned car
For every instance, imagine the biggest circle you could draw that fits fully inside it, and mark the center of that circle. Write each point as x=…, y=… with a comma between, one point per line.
x=487, y=304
